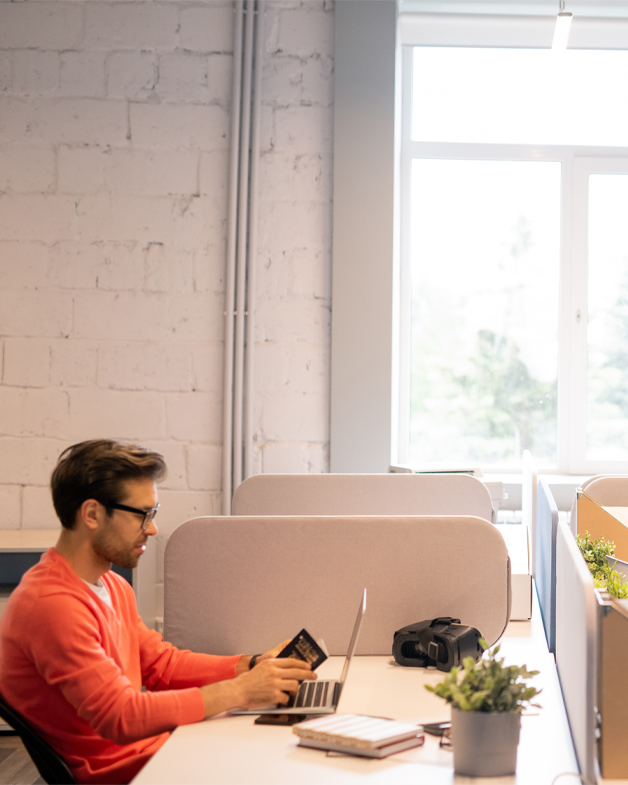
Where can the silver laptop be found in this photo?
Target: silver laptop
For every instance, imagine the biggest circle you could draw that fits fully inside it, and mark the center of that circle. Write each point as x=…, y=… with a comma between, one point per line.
x=320, y=696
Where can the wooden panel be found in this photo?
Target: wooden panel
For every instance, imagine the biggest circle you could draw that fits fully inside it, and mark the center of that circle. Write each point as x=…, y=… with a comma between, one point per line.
x=600, y=523
x=28, y=539
x=613, y=694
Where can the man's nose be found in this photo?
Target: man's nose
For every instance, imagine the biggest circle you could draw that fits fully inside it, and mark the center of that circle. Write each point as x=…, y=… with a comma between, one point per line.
x=152, y=529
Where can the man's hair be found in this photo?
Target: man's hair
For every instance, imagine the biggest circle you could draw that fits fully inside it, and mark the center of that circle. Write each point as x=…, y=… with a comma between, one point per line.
x=98, y=469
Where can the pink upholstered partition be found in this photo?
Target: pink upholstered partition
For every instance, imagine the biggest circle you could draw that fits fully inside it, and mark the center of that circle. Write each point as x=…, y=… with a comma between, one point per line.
x=363, y=494
x=243, y=584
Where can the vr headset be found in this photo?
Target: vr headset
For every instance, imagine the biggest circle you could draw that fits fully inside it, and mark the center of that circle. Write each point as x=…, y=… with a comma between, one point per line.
x=442, y=642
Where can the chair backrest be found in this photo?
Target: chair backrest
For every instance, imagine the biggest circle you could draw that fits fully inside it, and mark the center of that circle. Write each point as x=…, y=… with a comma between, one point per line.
x=242, y=584
x=576, y=646
x=363, y=494
x=545, y=564
x=609, y=490
x=50, y=764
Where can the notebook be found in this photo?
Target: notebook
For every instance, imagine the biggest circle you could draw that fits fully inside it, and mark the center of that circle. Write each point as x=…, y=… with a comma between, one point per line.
x=321, y=696
x=354, y=734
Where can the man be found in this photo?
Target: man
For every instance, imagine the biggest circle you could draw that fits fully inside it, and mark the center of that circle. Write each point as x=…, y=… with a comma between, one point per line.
x=74, y=654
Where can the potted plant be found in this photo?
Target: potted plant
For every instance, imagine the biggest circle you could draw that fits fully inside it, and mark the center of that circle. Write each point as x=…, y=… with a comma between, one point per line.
x=597, y=554
x=486, y=702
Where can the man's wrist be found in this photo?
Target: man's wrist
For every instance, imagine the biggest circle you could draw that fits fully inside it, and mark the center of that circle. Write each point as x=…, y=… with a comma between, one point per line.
x=222, y=696
x=243, y=664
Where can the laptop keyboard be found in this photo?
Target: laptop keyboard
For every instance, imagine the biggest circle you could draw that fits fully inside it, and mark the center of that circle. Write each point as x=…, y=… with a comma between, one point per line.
x=311, y=693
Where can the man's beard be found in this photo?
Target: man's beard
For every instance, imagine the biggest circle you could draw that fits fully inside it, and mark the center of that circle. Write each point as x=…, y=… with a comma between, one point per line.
x=105, y=546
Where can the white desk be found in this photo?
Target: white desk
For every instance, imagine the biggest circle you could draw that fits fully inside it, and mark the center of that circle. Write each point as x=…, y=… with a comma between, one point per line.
x=234, y=750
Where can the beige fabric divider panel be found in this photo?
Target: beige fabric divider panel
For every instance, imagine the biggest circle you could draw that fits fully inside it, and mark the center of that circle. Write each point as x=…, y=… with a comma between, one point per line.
x=243, y=584
x=576, y=646
x=363, y=494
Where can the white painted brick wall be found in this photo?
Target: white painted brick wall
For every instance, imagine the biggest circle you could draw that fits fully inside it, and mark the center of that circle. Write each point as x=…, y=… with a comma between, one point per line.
x=11, y=505
x=48, y=26
x=131, y=75
x=35, y=73
x=207, y=28
x=82, y=74
x=28, y=169
x=134, y=25
x=81, y=170
x=22, y=264
x=37, y=508
x=26, y=363
x=114, y=151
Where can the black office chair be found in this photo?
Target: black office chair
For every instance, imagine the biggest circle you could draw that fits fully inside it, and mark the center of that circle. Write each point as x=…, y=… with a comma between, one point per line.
x=51, y=765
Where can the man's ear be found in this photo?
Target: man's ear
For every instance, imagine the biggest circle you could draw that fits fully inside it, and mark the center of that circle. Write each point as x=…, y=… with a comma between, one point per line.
x=91, y=513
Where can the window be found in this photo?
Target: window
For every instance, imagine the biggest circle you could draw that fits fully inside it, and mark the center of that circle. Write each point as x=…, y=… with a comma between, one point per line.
x=514, y=177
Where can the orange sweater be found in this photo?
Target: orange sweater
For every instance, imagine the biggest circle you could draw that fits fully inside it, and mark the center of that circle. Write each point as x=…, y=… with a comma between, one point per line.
x=74, y=668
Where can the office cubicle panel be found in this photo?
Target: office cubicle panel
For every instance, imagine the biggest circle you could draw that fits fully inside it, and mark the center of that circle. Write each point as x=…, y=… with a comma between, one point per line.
x=576, y=646
x=242, y=584
x=545, y=572
x=573, y=517
x=363, y=494
x=609, y=490
x=529, y=502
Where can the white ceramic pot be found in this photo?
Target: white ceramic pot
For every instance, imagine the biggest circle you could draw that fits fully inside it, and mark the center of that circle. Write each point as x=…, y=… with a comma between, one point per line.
x=485, y=743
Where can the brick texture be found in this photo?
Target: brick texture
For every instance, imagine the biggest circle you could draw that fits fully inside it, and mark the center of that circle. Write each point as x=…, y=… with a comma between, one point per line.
x=114, y=150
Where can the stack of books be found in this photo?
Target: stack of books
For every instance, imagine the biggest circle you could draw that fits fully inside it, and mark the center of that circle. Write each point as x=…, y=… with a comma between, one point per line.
x=356, y=734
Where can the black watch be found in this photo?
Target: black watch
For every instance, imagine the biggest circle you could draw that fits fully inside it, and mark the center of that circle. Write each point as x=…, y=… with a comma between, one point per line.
x=253, y=660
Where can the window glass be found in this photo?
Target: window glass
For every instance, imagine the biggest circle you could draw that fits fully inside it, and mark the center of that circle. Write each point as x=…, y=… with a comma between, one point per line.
x=520, y=96
x=484, y=264
x=607, y=329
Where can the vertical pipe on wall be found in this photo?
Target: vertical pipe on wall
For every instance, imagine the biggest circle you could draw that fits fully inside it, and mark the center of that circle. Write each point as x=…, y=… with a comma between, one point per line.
x=238, y=393
x=232, y=223
x=252, y=255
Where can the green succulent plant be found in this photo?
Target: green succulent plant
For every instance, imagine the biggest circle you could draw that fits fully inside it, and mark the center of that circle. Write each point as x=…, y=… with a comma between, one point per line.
x=616, y=585
x=595, y=554
x=488, y=685
x=604, y=575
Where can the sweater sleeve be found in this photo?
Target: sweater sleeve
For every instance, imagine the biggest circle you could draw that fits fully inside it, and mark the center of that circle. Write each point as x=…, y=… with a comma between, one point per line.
x=164, y=667
x=71, y=652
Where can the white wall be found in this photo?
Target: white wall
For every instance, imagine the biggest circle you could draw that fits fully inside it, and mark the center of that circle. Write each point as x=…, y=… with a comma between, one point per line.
x=114, y=126
x=365, y=323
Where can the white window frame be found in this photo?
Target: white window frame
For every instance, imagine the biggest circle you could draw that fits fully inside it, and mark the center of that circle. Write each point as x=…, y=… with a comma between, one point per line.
x=577, y=162
x=584, y=167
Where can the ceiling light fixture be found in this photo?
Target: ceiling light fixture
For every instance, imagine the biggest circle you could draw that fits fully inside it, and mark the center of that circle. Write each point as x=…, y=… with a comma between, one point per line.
x=563, y=26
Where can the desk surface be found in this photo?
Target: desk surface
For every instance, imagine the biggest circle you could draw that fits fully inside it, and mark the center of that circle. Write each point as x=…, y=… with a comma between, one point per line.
x=23, y=540
x=233, y=750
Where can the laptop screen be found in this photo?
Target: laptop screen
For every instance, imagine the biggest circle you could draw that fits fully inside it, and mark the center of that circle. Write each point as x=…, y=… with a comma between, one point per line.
x=354, y=639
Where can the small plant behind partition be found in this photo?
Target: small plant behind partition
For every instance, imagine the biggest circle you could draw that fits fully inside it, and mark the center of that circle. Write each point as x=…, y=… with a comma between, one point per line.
x=605, y=577
x=487, y=686
x=616, y=585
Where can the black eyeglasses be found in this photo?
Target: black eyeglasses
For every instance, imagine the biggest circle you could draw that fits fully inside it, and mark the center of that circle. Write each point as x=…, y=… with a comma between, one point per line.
x=445, y=742
x=147, y=515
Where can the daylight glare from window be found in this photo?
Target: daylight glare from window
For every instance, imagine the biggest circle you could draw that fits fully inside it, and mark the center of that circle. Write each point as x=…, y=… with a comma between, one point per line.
x=485, y=252
x=607, y=334
x=520, y=96
x=490, y=134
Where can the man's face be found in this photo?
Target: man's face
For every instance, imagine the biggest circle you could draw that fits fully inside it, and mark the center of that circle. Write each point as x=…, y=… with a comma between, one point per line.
x=120, y=539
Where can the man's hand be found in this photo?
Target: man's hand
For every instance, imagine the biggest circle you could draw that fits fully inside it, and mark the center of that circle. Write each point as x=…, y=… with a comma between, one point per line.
x=244, y=663
x=270, y=681
x=270, y=655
